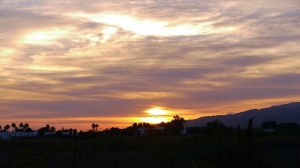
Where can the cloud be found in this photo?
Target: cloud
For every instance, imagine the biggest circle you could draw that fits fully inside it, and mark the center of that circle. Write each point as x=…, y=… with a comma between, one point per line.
x=118, y=58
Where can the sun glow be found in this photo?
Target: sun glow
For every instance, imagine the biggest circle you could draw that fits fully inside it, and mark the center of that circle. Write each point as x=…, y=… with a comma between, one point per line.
x=157, y=111
x=44, y=37
x=154, y=120
x=147, y=26
x=156, y=115
x=7, y=51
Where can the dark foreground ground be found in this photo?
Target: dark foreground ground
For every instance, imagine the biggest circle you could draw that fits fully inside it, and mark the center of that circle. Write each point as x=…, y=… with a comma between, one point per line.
x=152, y=152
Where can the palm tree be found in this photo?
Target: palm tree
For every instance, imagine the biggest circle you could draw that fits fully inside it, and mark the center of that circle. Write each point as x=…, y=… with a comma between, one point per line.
x=25, y=126
x=14, y=126
x=93, y=126
x=96, y=127
x=6, y=128
x=21, y=125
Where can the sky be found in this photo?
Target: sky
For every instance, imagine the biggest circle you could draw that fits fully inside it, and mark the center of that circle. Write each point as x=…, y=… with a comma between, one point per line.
x=73, y=63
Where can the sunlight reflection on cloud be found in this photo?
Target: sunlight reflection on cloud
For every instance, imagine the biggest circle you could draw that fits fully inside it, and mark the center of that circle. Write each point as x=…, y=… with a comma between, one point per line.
x=44, y=37
x=147, y=27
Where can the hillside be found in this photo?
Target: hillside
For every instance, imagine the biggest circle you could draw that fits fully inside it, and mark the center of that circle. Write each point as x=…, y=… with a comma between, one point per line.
x=282, y=113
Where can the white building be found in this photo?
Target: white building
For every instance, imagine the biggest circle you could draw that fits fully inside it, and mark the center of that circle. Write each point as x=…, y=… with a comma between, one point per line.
x=9, y=135
x=65, y=133
x=143, y=131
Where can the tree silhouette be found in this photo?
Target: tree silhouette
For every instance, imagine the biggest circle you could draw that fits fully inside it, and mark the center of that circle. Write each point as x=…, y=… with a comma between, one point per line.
x=194, y=130
x=215, y=126
x=134, y=126
x=140, y=125
x=177, y=125
x=74, y=132
x=6, y=128
x=47, y=128
x=14, y=126
x=96, y=125
x=288, y=125
x=0, y=128
x=70, y=131
x=52, y=129
x=25, y=126
x=93, y=126
x=249, y=128
x=42, y=130
x=21, y=125
x=162, y=124
x=268, y=124
x=146, y=125
x=28, y=130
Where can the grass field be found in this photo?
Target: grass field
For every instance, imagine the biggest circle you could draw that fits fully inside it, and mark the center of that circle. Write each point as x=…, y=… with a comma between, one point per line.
x=156, y=151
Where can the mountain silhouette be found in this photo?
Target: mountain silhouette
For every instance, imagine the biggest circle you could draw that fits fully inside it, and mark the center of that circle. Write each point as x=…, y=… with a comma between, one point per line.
x=282, y=113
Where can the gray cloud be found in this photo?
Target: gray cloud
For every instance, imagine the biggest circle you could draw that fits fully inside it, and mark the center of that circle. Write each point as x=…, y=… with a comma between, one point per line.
x=245, y=52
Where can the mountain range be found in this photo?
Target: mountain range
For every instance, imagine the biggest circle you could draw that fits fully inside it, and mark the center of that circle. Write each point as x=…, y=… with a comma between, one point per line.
x=282, y=113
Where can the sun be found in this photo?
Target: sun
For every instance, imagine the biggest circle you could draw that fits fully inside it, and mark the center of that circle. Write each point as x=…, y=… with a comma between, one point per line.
x=156, y=115
x=156, y=111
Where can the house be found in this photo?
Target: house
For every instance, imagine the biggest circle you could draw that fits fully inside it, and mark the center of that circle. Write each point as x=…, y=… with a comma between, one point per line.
x=142, y=131
x=66, y=133
x=145, y=131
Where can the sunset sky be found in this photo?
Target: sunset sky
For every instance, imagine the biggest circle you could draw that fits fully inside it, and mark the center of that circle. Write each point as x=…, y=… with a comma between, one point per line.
x=71, y=63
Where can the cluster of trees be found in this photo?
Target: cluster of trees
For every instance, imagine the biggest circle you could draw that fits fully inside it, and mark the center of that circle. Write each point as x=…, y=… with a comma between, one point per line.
x=21, y=128
x=95, y=127
x=47, y=128
x=212, y=127
x=173, y=127
x=216, y=126
x=281, y=125
x=25, y=128
x=71, y=131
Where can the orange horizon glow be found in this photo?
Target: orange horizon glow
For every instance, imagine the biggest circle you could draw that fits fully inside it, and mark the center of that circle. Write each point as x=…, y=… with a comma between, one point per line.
x=84, y=123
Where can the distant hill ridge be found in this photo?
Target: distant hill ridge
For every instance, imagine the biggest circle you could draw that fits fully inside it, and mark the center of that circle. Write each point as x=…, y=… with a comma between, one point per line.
x=281, y=113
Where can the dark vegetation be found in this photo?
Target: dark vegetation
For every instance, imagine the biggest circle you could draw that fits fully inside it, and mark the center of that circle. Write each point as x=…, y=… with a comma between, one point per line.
x=211, y=145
